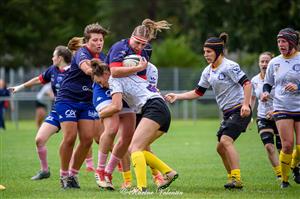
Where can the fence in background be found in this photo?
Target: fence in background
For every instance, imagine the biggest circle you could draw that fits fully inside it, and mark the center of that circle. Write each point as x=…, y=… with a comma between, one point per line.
x=170, y=80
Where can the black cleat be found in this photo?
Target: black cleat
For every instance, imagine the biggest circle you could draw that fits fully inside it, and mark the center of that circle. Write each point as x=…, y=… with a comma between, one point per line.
x=284, y=185
x=234, y=184
x=74, y=183
x=65, y=182
x=296, y=175
x=41, y=175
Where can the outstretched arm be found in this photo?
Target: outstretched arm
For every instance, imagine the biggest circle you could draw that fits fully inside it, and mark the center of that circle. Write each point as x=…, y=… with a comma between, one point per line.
x=28, y=84
x=172, y=97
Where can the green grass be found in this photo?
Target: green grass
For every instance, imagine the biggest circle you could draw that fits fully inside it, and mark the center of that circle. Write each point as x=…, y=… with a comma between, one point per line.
x=189, y=147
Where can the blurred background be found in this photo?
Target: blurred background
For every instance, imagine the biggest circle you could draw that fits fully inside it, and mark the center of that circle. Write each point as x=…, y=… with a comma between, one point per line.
x=31, y=29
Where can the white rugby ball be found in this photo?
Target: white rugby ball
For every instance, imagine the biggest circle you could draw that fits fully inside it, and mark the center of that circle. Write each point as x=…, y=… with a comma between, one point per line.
x=131, y=60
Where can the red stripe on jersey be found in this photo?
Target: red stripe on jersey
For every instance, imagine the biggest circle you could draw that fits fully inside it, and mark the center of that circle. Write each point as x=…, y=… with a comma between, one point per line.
x=143, y=76
x=42, y=79
x=199, y=92
x=116, y=64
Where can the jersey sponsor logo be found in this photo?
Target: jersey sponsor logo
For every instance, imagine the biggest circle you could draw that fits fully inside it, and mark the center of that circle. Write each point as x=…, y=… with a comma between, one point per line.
x=70, y=114
x=85, y=88
x=221, y=76
x=296, y=67
x=152, y=88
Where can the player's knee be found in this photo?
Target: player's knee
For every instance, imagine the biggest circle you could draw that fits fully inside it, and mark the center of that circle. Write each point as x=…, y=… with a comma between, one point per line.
x=287, y=147
x=270, y=148
x=39, y=141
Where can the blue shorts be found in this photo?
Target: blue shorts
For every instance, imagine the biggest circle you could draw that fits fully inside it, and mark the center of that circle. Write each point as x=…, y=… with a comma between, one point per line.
x=74, y=111
x=52, y=118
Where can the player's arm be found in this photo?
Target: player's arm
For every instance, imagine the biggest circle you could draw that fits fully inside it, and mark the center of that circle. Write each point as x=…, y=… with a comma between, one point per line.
x=28, y=84
x=118, y=72
x=86, y=67
x=194, y=94
x=247, y=87
x=115, y=106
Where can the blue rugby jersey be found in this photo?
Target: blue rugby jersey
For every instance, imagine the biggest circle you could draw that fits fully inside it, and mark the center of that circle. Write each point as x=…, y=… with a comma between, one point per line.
x=54, y=75
x=77, y=86
x=121, y=49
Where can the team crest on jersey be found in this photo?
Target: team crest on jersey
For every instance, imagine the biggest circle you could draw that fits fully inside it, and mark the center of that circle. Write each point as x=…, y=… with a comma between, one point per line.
x=221, y=76
x=296, y=68
x=276, y=66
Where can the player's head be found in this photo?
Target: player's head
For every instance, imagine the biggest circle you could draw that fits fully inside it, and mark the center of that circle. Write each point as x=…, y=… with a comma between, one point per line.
x=94, y=37
x=75, y=43
x=287, y=41
x=100, y=72
x=214, y=47
x=144, y=33
x=263, y=60
x=61, y=56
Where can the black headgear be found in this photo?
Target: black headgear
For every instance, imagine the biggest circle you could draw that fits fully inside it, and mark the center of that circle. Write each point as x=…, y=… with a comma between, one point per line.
x=291, y=36
x=217, y=44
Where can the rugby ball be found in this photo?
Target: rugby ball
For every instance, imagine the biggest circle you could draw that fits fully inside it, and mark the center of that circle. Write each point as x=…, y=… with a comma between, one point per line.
x=131, y=60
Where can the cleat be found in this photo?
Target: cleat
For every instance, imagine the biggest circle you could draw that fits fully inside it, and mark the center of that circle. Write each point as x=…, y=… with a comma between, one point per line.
x=158, y=179
x=168, y=179
x=279, y=178
x=108, y=180
x=126, y=186
x=2, y=188
x=234, y=184
x=74, y=183
x=64, y=182
x=284, y=185
x=41, y=175
x=296, y=175
x=90, y=169
x=99, y=176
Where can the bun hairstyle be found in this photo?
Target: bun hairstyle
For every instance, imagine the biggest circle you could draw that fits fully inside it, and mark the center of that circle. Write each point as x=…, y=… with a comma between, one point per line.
x=149, y=28
x=75, y=43
x=217, y=44
x=98, y=67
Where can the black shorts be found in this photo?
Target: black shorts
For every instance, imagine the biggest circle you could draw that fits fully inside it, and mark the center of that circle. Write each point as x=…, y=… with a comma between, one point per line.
x=263, y=124
x=157, y=110
x=40, y=105
x=138, y=119
x=281, y=115
x=233, y=124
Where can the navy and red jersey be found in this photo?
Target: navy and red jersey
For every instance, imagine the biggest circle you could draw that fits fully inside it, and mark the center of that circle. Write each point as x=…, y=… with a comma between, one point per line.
x=122, y=49
x=77, y=86
x=54, y=75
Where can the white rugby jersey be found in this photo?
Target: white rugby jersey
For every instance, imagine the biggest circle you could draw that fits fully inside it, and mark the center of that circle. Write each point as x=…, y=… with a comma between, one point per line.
x=224, y=82
x=136, y=90
x=280, y=72
x=257, y=87
x=152, y=74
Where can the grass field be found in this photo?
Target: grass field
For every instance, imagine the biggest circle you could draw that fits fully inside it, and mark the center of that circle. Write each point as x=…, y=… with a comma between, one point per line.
x=189, y=148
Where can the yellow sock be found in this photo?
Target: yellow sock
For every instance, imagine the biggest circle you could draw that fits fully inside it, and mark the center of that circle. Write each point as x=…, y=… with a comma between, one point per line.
x=296, y=157
x=126, y=176
x=155, y=162
x=236, y=174
x=229, y=178
x=285, y=164
x=277, y=171
x=139, y=165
